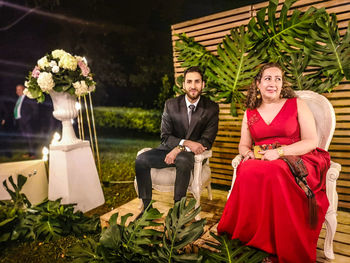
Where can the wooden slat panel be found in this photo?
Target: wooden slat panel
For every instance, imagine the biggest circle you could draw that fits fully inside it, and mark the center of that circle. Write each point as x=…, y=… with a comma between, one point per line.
x=210, y=31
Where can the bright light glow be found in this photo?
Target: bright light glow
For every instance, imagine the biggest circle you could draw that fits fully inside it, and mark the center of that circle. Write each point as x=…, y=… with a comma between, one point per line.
x=45, y=152
x=72, y=121
x=55, y=138
x=78, y=106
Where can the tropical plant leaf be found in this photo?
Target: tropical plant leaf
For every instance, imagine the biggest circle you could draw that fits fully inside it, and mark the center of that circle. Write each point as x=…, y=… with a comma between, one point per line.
x=231, y=251
x=329, y=53
x=85, y=252
x=179, y=231
x=281, y=34
x=17, y=197
x=234, y=68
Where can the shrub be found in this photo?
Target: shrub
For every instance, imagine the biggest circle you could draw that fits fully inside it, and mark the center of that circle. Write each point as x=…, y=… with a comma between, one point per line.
x=136, y=119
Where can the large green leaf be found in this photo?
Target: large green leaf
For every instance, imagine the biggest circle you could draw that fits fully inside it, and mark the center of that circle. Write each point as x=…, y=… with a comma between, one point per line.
x=180, y=230
x=281, y=34
x=231, y=251
x=234, y=68
x=329, y=53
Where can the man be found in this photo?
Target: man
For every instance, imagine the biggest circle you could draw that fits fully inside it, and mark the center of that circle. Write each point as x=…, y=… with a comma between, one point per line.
x=189, y=127
x=25, y=113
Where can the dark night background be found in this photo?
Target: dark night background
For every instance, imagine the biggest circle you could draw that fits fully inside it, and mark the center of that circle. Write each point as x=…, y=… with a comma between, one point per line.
x=127, y=43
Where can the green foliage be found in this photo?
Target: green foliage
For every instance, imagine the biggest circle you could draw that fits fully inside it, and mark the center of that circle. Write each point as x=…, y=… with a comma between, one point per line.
x=48, y=220
x=297, y=41
x=139, y=241
x=166, y=92
x=283, y=34
x=179, y=232
x=234, y=68
x=229, y=250
x=329, y=53
x=136, y=119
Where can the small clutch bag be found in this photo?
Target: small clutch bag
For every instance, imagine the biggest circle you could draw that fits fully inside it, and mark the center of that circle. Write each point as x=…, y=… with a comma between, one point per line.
x=264, y=147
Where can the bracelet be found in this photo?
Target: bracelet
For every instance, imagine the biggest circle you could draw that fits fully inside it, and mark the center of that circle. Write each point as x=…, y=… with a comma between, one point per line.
x=280, y=151
x=246, y=153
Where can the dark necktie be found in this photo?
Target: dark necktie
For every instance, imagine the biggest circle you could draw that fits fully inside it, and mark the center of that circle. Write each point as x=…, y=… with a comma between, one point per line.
x=192, y=107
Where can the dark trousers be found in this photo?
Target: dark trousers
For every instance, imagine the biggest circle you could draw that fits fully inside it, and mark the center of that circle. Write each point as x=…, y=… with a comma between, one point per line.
x=154, y=158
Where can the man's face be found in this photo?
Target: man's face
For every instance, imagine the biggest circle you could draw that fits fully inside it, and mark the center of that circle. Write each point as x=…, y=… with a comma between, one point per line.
x=19, y=90
x=193, y=86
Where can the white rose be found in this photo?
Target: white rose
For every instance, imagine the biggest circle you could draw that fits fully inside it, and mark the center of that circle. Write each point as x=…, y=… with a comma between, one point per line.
x=27, y=93
x=58, y=53
x=45, y=81
x=53, y=63
x=42, y=63
x=26, y=84
x=80, y=88
x=55, y=69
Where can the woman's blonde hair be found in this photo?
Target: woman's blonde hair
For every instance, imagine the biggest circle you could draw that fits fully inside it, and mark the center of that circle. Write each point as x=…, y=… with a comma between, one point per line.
x=253, y=101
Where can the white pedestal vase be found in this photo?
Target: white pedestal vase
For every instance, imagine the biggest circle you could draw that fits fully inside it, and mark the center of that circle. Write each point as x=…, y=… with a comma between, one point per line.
x=72, y=173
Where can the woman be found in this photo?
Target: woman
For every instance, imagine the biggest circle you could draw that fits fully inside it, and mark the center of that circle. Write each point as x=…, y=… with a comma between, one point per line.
x=267, y=208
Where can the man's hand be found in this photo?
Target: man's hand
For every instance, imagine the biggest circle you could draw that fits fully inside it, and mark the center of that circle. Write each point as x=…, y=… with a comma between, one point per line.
x=195, y=147
x=170, y=157
x=2, y=122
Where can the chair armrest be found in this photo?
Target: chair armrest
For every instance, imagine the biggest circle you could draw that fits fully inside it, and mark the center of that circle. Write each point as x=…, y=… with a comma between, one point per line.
x=236, y=161
x=202, y=156
x=143, y=150
x=331, y=186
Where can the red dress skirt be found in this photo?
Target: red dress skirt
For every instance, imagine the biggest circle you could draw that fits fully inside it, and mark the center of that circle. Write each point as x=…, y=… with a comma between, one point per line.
x=267, y=209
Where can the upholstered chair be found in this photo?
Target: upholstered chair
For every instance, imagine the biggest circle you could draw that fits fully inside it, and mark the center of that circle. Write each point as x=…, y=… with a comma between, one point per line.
x=324, y=116
x=163, y=180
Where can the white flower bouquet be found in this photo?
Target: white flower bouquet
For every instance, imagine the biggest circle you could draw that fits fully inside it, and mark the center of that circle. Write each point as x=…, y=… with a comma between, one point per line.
x=61, y=72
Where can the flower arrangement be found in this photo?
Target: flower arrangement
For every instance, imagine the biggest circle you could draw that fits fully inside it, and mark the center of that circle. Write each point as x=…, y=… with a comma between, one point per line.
x=59, y=71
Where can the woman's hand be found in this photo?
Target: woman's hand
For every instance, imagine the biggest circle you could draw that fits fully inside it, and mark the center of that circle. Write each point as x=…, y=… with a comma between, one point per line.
x=270, y=155
x=248, y=155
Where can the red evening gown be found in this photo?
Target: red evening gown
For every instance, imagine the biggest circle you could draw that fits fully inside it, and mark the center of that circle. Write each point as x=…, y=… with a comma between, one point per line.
x=267, y=209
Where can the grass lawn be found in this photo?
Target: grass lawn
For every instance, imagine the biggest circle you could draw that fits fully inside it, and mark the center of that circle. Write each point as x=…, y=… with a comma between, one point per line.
x=117, y=164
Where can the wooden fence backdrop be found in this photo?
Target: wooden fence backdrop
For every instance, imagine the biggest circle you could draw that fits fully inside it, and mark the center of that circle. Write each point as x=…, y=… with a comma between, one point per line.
x=210, y=30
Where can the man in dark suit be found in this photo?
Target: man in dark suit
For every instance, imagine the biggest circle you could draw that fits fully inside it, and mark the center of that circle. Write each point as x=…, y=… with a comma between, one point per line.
x=25, y=113
x=189, y=127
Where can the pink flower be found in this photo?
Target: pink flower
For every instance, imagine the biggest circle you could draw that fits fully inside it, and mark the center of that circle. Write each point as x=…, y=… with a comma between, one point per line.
x=85, y=70
x=36, y=72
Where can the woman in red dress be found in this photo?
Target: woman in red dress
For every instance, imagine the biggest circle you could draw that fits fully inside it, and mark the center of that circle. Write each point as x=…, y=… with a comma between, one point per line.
x=267, y=208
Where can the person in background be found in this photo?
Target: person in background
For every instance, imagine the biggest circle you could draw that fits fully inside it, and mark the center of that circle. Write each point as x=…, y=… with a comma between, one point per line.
x=25, y=115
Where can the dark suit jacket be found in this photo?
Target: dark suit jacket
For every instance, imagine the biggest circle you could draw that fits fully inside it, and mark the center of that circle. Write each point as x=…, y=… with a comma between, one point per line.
x=29, y=111
x=203, y=128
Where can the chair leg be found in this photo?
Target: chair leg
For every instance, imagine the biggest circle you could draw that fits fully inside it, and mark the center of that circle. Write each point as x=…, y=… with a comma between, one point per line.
x=197, y=196
x=331, y=227
x=210, y=195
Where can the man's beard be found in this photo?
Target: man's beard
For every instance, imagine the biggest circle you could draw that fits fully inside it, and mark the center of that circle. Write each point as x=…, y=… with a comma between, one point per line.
x=193, y=97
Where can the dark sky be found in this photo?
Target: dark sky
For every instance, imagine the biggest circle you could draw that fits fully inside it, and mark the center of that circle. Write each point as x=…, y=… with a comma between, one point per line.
x=127, y=43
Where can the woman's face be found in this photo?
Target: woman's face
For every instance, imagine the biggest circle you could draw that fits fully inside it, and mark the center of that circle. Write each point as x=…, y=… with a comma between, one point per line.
x=270, y=85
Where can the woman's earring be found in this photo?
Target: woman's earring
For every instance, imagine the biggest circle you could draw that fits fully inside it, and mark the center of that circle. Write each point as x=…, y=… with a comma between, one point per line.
x=258, y=96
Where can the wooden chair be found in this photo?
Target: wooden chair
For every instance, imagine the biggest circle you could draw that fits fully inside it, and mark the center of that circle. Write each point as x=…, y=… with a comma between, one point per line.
x=324, y=116
x=163, y=179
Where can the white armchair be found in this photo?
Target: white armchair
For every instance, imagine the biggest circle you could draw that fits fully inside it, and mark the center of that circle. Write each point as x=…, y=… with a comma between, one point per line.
x=163, y=179
x=324, y=116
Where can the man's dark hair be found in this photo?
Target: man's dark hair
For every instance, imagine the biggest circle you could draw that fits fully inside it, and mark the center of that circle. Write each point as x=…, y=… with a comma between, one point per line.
x=193, y=69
